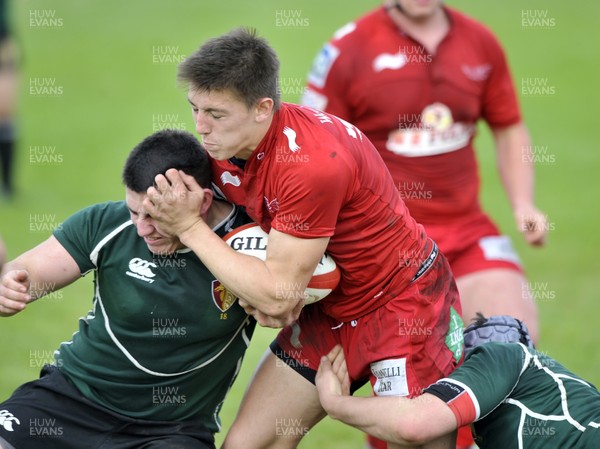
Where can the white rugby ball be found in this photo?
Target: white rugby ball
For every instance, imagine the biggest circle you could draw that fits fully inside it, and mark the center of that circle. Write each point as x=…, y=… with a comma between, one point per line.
x=250, y=239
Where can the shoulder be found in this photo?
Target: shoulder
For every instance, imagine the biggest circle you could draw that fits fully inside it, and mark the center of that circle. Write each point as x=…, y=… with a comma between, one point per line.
x=313, y=136
x=344, y=52
x=103, y=212
x=500, y=358
x=354, y=32
x=473, y=30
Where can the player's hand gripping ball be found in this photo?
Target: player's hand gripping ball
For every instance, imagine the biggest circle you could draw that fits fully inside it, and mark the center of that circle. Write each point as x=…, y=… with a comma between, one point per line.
x=250, y=239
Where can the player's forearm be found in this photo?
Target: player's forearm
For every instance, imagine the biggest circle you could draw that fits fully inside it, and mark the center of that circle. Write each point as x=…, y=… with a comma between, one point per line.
x=49, y=267
x=246, y=276
x=383, y=417
x=515, y=164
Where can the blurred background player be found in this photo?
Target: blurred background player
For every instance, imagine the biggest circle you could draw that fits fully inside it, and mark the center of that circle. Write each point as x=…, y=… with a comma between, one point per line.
x=152, y=362
x=416, y=76
x=8, y=94
x=513, y=395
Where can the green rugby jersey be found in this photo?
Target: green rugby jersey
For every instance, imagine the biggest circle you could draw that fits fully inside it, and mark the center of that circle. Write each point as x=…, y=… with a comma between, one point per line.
x=164, y=340
x=521, y=398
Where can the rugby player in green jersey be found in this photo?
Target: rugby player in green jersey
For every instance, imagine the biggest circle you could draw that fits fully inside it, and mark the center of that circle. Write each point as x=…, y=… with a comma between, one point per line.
x=153, y=360
x=513, y=395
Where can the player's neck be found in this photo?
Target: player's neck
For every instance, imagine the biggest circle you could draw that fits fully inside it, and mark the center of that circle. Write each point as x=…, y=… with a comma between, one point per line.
x=217, y=212
x=428, y=30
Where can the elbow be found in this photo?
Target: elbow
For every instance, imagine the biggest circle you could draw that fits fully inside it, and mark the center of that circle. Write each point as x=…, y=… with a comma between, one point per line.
x=410, y=433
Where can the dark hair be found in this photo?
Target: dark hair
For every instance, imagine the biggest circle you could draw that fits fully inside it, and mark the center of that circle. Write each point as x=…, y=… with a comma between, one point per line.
x=164, y=150
x=238, y=61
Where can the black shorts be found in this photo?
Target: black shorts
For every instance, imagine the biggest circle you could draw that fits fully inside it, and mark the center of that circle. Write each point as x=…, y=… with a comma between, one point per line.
x=51, y=413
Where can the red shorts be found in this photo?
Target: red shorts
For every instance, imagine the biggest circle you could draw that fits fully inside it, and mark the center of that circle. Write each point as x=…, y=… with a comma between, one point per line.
x=474, y=244
x=401, y=347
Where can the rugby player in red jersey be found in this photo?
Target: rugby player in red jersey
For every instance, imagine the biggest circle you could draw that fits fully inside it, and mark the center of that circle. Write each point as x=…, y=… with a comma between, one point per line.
x=315, y=183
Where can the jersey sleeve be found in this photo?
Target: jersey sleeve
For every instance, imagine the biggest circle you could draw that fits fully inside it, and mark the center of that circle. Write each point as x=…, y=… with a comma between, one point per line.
x=483, y=381
x=328, y=81
x=82, y=231
x=500, y=105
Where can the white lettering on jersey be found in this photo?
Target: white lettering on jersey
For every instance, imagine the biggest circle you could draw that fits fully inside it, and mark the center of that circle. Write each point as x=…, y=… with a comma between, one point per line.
x=391, y=377
x=228, y=178
x=498, y=247
x=140, y=269
x=351, y=129
x=389, y=61
x=322, y=64
x=291, y=137
x=7, y=419
x=421, y=142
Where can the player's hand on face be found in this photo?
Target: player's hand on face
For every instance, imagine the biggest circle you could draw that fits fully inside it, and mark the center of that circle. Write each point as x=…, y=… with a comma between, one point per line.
x=14, y=292
x=533, y=224
x=174, y=202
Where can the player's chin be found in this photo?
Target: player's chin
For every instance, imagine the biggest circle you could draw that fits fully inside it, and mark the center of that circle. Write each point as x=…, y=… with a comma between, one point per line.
x=214, y=151
x=161, y=247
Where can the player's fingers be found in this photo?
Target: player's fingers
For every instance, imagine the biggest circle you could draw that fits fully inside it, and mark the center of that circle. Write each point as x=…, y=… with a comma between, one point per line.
x=148, y=203
x=174, y=179
x=324, y=366
x=10, y=307
x=21, y=276
x=536, y=229
x=15, y=285
x=190, y=182
x=334, y=353
x=161, y=184
x=341, y=370
x=536, y=238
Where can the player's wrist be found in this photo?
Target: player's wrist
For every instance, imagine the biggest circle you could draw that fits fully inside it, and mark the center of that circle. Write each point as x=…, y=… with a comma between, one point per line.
x=192, y=231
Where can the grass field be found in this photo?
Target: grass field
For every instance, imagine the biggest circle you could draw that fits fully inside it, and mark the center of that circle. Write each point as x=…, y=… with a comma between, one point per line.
x=98, y=76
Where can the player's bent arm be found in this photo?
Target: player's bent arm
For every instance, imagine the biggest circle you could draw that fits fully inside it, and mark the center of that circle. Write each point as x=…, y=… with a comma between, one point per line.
x=516, y=168
x=408, y=422
x=35, y=273
x=274, y=286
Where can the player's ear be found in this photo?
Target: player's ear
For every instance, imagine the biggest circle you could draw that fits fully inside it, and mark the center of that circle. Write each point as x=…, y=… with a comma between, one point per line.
x=263, y=109
x=207, y=201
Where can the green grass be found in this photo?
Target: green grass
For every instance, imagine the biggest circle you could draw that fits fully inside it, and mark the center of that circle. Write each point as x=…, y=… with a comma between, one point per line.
x=114, y=93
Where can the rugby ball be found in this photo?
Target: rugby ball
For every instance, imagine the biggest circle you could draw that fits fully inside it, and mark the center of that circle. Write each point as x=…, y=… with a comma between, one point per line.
x=250, y=239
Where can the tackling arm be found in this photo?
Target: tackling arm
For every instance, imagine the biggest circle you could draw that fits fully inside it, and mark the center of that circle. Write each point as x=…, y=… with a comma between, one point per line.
x=35, y=273
x=408, y=422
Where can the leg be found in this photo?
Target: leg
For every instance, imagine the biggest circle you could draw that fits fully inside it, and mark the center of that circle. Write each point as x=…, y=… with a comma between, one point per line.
x=278, y=409
x=6, y=166
x=8, y=97
x=498, y=291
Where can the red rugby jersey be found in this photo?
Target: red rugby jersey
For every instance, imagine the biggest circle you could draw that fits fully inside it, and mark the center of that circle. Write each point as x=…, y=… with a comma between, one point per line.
x=418, y=109
x=314, y=175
